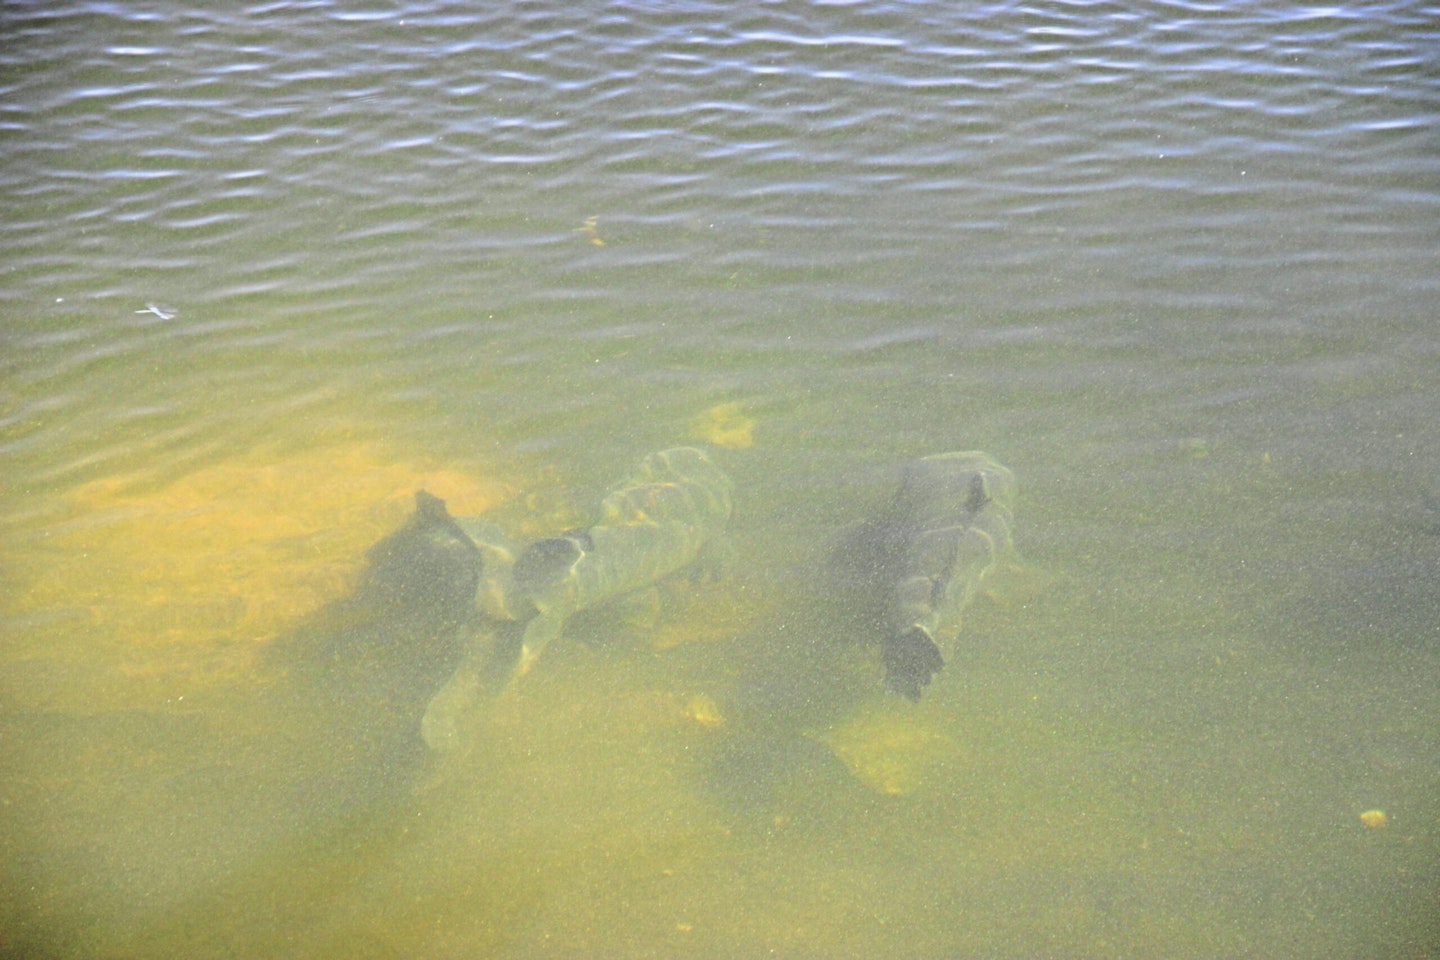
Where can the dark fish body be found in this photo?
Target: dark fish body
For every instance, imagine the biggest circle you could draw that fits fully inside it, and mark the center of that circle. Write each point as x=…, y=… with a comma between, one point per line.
x=650, y=525
x=654, y=523
x=947, y=529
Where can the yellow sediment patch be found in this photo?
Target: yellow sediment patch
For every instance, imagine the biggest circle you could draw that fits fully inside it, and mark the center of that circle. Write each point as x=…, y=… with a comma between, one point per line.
x=702, y=615
x=704, y=711
x=889, y=747
x=236, y=551
x=724, y=425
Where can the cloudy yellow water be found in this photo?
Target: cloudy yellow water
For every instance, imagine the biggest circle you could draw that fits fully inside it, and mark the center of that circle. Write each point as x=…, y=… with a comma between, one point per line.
x=719, y=780
x=193, y=573
x=267, y=273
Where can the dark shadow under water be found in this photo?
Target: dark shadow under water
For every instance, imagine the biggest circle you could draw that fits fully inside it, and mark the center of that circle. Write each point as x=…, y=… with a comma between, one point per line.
x=232, y=823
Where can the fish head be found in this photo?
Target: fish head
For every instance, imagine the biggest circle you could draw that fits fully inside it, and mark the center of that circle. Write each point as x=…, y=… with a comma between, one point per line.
x=550, y=562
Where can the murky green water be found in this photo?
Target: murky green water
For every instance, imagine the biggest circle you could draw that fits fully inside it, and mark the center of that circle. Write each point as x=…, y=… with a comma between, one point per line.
x=266, y=273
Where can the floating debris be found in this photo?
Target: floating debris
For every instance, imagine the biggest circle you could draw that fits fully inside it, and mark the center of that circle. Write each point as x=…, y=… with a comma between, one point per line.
x=591, y=228
x=159, y=310
x=1374, y=819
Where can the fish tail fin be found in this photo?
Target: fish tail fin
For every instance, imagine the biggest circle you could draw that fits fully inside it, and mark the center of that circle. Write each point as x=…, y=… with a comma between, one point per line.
x=538, y=634
x=911, y=660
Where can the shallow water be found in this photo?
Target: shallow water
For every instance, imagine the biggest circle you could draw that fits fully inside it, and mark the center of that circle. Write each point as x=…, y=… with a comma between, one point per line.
x=266, y=273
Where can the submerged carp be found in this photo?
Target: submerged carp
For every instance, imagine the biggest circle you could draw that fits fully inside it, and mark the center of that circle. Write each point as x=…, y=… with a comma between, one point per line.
x=654, y=523
x=946, y=530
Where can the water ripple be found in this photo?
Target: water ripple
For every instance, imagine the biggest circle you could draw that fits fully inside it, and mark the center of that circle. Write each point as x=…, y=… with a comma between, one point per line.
x=412, y=163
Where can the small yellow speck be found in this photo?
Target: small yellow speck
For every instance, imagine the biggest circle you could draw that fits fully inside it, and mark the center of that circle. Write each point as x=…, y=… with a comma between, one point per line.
x=704, y=711
x=1374, y=819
